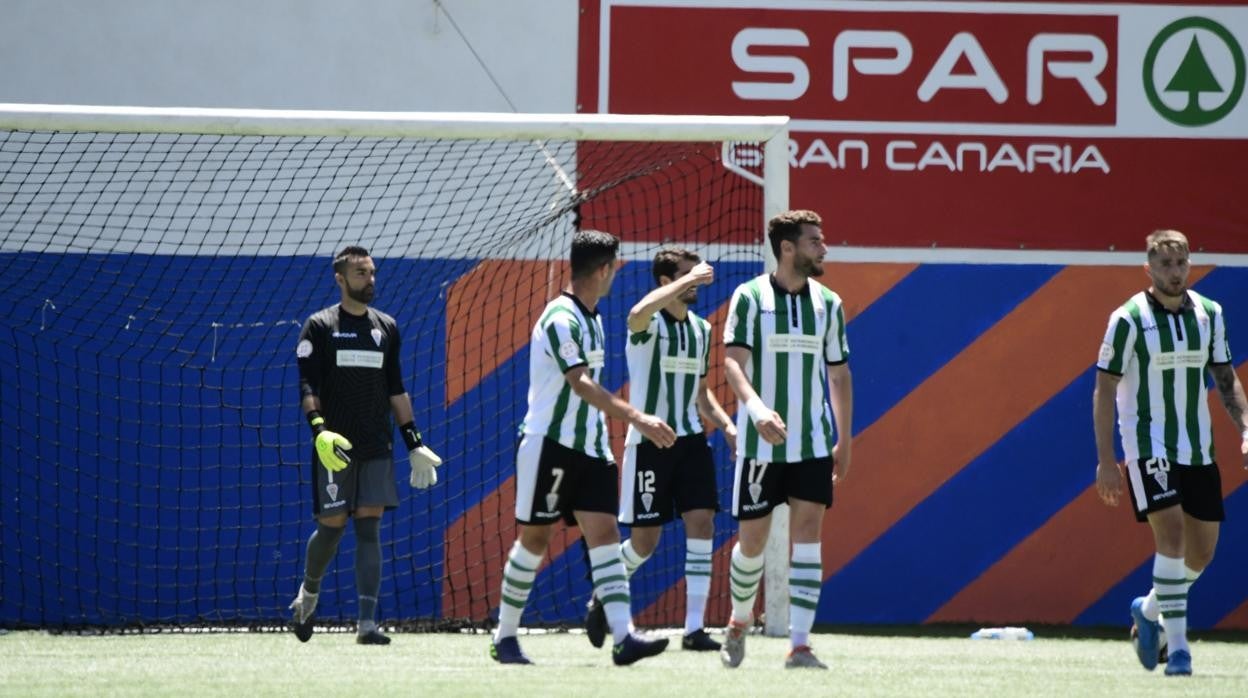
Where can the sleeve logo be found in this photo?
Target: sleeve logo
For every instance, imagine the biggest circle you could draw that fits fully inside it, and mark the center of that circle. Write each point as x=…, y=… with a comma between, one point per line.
x=569, y=350
x=1107, y=352
x=304, y=350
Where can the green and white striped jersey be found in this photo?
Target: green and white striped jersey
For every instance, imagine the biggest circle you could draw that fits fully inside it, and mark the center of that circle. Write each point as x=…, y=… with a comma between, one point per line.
x=1163, y=407
x=790, y=337
x=665, y=362
x=567, y=335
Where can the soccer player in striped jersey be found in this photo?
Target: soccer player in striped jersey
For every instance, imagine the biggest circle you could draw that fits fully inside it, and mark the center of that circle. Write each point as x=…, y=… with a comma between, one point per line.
x=668, y=354
x=786, y=347
x=350, y=385
x=1152, y=364
x=564, y=466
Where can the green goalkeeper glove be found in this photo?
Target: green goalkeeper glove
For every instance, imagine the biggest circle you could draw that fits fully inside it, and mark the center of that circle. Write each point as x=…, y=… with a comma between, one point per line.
x=423, y=460
x=331, y=447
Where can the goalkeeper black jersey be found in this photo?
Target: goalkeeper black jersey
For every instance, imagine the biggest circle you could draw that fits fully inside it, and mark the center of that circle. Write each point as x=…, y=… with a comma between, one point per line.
x=351, y=362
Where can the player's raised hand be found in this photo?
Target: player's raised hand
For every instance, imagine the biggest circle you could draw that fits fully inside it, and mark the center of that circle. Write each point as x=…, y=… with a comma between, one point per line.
x=331, y=449
x=1109, y=482
x=702, y=274
x=656, y=430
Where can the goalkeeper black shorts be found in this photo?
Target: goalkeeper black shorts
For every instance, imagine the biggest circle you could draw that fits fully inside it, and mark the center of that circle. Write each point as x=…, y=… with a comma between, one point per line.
x=366, y=482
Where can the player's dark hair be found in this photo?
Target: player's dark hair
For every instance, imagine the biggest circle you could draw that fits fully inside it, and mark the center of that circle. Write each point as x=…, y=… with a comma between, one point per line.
x=343, y=258
x=667, y=261
x=590, y=250
x=788, y=226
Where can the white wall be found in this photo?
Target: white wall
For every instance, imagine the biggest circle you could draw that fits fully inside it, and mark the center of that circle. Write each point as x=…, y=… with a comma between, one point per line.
x=329, y=54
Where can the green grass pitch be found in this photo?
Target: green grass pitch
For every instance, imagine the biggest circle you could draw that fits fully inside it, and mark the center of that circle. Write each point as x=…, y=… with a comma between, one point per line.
x=875, y=664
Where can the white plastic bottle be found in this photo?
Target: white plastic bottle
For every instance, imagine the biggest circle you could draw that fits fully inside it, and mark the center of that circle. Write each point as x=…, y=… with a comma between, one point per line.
x=1008, y=633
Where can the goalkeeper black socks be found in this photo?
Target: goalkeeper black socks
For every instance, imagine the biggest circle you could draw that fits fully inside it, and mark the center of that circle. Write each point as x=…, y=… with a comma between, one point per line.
x=368, y=565
x=321, y=549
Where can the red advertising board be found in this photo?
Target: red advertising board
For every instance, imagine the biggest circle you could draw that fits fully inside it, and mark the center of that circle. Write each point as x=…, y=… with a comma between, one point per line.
x=1061, y=126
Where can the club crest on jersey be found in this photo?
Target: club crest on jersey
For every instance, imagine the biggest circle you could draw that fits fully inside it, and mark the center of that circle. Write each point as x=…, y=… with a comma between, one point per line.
x=332, y=490
x=552, y=500
x=376, y=335
x=647, y=500
x=304, y=349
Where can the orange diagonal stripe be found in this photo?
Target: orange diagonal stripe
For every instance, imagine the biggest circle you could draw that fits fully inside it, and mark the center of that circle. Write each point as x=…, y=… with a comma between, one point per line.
x=1236, y=620
x=490, y=312
x=1079, y=554
x=970, y=403
x=475, y=549
x=859, y=285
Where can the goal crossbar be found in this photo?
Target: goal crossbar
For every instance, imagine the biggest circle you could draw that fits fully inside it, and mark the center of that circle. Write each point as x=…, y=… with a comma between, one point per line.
x=481, y=125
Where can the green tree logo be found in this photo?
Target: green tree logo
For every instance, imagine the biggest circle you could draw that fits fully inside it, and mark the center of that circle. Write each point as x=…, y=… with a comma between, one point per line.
x=1193, y=74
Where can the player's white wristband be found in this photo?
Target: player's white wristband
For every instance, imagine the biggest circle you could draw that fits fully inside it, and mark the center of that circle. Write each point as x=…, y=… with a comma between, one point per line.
x=758, y=409
x=1245, y=435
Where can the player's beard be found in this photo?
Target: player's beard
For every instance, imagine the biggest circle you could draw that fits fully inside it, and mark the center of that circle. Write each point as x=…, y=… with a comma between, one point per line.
x=810, y=266
x=1173, y=289
x=690, y=296
x=361, y=295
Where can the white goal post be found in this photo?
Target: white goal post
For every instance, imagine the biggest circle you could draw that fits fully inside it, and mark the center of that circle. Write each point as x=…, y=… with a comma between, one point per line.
x=770, y=170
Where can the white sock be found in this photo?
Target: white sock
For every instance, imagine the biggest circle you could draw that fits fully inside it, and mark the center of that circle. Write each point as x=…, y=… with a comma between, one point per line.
x=697, y=581
x=743, y=576
x=1192, y=575
x=1149, y=607
x=805, y=583
x=611, y=588
x=518, y=576
x=1170, y=582
x=631, y=558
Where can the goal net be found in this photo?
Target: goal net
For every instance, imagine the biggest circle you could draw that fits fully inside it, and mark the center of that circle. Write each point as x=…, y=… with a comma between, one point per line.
x=156, y=266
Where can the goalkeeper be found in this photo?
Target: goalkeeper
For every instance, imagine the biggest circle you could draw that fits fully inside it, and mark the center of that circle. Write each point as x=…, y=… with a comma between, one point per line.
x=350, y=383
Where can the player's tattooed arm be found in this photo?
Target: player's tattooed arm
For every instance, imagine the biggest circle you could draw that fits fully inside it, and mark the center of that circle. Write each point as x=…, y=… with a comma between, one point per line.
x=1232, y=392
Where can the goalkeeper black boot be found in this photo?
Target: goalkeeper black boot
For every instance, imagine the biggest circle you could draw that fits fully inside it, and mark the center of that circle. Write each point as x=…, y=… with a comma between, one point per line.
x=369, y=634
x=371, y=637
x=304, y=609
x=596, y=622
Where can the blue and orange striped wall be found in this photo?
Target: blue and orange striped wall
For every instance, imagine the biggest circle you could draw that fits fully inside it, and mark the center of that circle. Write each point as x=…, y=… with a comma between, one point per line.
x=971, y=495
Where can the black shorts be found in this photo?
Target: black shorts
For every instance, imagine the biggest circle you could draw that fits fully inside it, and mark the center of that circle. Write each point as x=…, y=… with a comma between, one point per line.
x=760, y=486
x=1156, y=484
x=366, y=482
x=552, y=481
x=659, y=481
